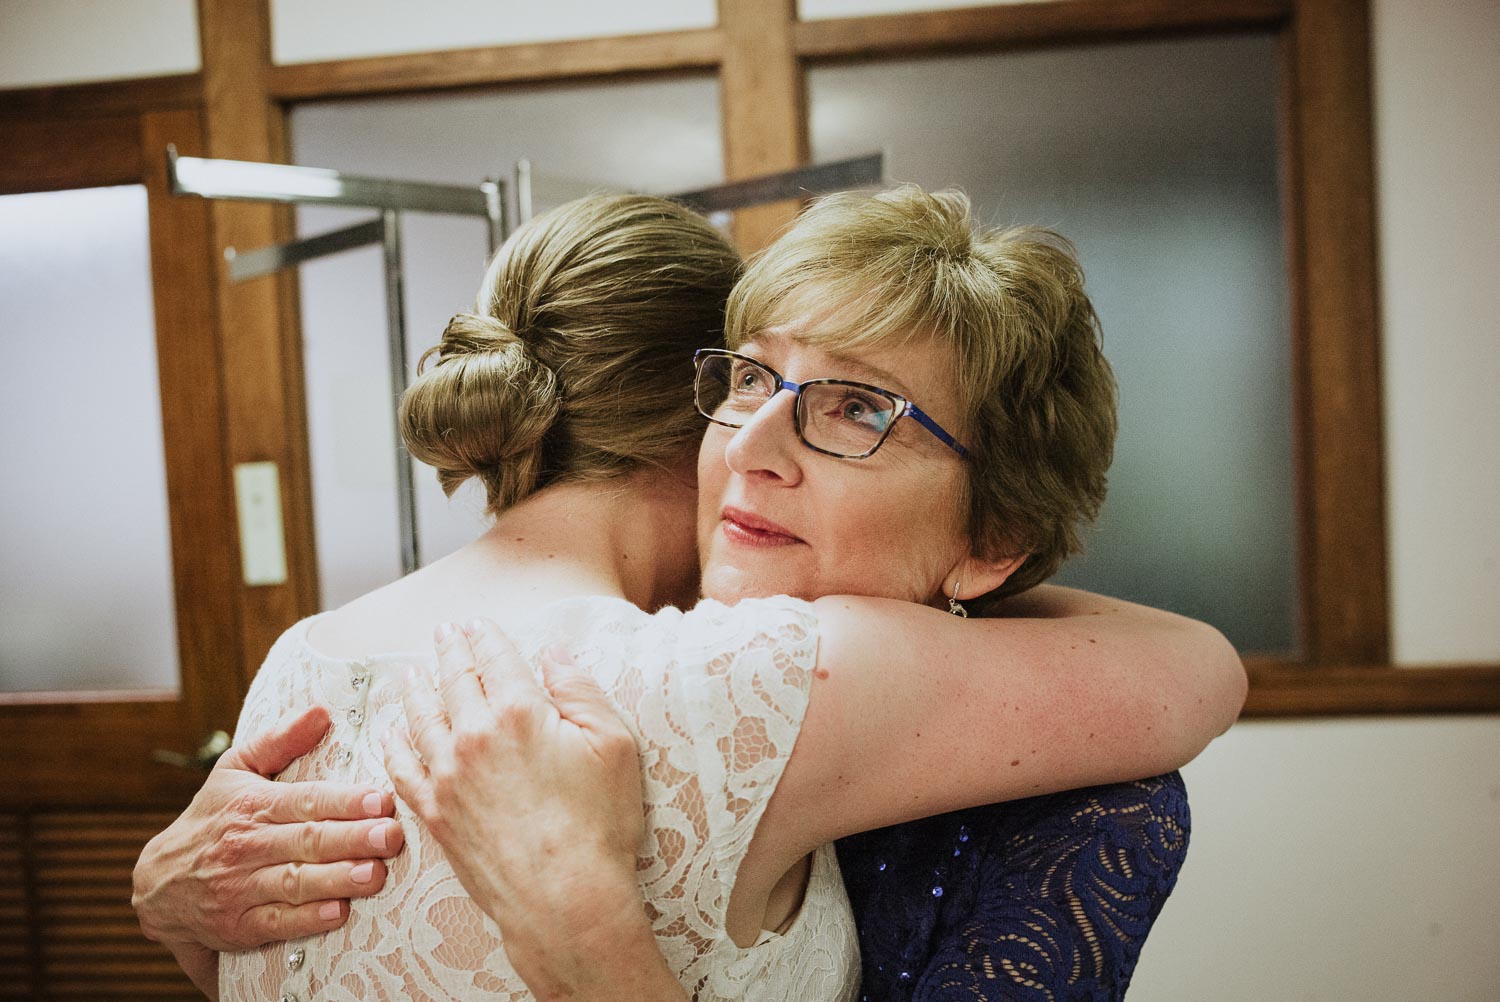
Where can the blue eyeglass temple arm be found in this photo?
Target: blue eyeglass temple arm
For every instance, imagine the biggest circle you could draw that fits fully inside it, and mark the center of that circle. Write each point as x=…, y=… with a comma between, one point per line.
x=936, y=429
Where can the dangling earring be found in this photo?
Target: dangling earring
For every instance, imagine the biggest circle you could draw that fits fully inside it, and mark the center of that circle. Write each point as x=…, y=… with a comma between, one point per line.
x=955, y=606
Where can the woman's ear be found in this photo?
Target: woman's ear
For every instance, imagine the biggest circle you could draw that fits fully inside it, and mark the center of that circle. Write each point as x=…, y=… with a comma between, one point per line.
x=974, y=576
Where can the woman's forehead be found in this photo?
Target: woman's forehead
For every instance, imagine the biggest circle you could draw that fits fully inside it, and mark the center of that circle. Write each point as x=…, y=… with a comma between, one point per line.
x=918, y=367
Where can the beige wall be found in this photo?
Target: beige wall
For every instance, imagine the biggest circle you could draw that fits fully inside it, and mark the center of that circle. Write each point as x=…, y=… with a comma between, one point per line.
x=1331, y=860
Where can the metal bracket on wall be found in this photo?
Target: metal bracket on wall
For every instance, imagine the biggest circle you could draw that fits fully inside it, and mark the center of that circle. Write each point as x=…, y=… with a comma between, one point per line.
x=245, y=180
x=819, y=179
x=261, y=182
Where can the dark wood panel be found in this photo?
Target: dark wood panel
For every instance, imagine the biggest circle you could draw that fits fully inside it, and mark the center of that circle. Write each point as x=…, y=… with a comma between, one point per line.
x=764, y=102
x=1282, y=689
x=78, y=937
x=89, y=752
x=58, y=154
x=1028, y=24
x=504, y=64
x=113, y=97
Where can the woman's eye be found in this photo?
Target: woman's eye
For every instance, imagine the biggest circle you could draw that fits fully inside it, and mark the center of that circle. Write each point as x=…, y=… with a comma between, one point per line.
x=863, y=411
x=746, y=379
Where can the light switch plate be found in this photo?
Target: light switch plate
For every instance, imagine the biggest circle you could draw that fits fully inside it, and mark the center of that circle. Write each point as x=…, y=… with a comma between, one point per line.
x=257, y=494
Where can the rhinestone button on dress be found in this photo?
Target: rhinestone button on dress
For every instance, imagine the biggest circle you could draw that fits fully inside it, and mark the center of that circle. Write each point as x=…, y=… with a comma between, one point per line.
x=289, y=997
x=356, y=716
x=344, y=755
x=294, y=959
x=359, y=679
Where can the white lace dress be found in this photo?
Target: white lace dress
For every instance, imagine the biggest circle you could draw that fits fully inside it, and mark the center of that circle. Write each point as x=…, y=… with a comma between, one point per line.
x=715, y=697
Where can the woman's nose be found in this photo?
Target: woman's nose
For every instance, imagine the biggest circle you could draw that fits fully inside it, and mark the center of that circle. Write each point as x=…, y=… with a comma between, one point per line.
x=766, y=447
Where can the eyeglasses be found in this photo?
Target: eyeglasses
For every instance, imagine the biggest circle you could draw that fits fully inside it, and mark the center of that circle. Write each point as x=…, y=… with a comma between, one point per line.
x=833, y=416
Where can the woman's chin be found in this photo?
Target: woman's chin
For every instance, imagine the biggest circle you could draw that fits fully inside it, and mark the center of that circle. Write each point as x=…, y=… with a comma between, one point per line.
x=731, y=582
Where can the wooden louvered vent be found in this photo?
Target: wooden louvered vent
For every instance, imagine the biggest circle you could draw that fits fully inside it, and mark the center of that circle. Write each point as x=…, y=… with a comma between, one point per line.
x=67, y=931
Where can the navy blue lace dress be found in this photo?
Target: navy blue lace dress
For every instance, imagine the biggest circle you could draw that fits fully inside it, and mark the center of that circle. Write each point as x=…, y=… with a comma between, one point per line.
x=1043, y=899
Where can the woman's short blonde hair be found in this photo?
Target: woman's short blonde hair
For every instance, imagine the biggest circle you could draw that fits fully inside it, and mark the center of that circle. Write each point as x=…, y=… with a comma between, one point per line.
x=1036, y=394
x=577, y=362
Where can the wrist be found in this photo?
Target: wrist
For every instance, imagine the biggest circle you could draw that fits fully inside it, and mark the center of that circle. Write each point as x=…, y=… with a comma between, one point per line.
x=589, y=945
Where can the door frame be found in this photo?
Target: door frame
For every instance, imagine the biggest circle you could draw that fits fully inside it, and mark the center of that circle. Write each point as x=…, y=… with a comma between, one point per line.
x=95, y=749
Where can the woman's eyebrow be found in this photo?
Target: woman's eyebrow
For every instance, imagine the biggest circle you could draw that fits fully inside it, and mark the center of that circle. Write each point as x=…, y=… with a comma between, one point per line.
x=871, y=374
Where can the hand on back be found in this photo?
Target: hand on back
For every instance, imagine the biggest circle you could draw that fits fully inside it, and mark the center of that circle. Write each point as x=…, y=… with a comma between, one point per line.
x=253, y=861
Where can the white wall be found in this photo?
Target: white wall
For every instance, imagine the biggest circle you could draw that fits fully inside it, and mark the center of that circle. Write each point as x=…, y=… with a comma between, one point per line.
x=309, y=30
x=74, y=41
x=1337, y=861
x=1437, y=136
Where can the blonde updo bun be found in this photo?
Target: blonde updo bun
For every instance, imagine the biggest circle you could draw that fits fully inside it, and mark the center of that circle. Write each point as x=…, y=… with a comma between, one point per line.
x=577, y=362
x=482, y=411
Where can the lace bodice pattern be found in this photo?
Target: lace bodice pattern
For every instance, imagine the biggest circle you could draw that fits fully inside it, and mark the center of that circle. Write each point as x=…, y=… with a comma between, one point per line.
x=715, y=698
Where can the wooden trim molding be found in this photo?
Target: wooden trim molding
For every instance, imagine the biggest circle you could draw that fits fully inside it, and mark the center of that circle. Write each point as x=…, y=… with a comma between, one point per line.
x=700, y=49
x=1279, y=689
x=107, y=97
x=1018, y=25
x=1336, y=333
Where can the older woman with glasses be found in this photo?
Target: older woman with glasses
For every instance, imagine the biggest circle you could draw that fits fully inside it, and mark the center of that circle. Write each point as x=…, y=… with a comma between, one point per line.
x=767, y=726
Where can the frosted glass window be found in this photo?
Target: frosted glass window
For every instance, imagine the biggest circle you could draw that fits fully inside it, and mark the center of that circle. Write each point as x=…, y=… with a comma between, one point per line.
x=1159, y=160
x=644, y=135
x=85, y=560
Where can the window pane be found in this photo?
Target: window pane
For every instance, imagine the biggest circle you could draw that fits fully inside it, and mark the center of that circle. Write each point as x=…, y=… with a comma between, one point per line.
x=1159, y=160
x=653, y=135
x=85, y=568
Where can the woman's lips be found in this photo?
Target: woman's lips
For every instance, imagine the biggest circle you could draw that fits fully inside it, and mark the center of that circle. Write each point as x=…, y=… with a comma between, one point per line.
x=752, y=530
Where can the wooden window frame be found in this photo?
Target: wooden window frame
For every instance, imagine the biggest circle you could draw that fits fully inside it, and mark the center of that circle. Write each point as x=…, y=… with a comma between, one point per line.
x=761, y=51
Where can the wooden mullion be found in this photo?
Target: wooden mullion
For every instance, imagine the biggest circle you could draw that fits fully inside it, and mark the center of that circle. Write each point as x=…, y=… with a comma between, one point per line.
x=583, y=58
x=764, y=104
x=263, y=416
x=1336, y=339
x=1018, y=25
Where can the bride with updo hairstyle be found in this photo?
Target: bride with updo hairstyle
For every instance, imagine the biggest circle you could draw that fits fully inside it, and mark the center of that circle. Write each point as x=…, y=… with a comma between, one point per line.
x=577, y=359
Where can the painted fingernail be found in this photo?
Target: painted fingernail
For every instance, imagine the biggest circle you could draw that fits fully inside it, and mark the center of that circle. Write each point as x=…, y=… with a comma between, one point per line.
x=372, y=804
x=559, y=655
x=362, y=873
x=379, y=835
x=329, y=911
x=444, y=632
x=473, y=626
